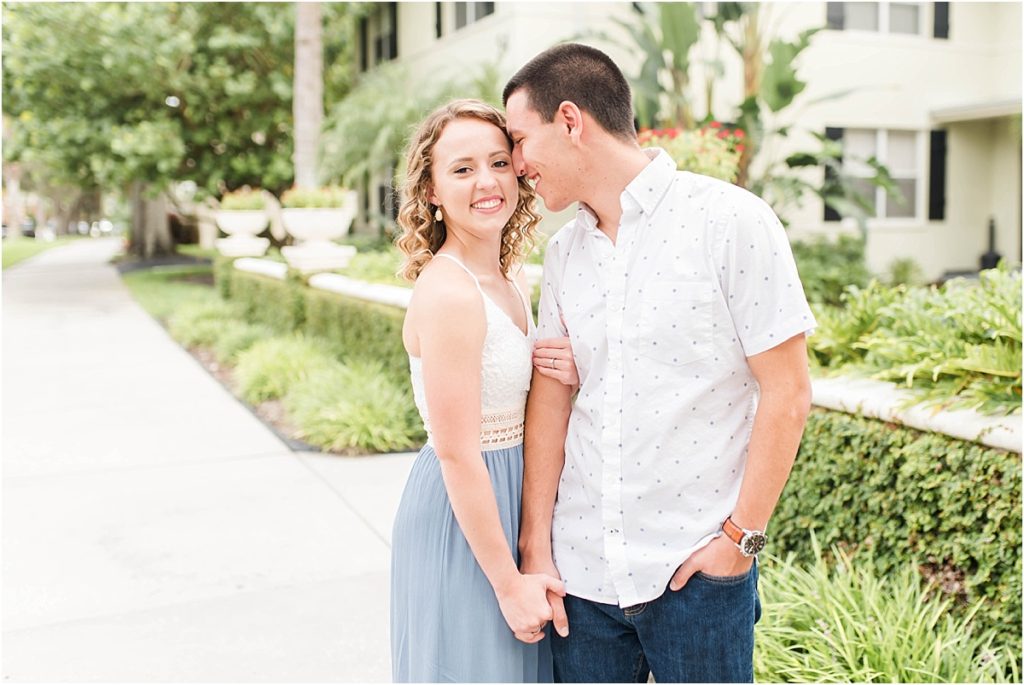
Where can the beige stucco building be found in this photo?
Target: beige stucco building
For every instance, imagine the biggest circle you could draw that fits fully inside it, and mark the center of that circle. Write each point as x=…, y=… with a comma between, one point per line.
x=932, y=89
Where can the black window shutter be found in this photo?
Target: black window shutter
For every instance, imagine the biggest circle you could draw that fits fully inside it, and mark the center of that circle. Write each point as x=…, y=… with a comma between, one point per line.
x=437, y=19
x=393, y=47
x=834, y=15
x=941, y=19
x=364, y=46
x=937, y=177
x=832, y=133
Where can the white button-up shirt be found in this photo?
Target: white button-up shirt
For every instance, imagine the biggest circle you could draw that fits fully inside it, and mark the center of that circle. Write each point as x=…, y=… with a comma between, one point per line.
x=701, y=276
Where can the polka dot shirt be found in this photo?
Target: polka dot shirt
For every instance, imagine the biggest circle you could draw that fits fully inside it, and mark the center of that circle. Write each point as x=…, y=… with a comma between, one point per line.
x=701, y=276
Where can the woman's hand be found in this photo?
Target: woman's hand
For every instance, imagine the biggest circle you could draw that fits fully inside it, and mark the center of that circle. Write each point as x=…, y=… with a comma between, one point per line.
x=524, y=604
x=553, y=358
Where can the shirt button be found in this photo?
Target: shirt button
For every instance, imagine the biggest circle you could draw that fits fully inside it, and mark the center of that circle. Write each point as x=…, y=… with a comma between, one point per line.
x=614, y=531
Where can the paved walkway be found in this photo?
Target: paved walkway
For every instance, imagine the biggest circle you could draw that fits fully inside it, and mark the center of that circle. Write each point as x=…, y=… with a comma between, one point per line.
x=153, y=529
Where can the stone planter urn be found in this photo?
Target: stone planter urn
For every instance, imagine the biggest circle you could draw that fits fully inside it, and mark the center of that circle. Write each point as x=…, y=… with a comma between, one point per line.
x=315, y=228
x=242, y=222
x=242, y=226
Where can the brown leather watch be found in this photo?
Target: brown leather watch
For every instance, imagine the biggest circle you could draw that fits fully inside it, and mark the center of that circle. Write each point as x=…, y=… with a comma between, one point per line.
x=750, y=542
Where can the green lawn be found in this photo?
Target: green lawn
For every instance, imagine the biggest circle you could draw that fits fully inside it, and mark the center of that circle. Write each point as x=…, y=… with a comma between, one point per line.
x=161, y=291
x=19, y=249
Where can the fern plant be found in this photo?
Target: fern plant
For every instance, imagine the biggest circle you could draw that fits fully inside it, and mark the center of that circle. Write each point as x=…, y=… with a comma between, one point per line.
x=958, y=345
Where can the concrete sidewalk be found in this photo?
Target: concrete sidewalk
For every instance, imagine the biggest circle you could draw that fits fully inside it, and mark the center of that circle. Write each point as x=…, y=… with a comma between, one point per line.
x=153, y=528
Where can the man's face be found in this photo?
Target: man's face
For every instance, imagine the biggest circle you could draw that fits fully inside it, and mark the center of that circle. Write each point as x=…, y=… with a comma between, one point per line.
x=542, y=152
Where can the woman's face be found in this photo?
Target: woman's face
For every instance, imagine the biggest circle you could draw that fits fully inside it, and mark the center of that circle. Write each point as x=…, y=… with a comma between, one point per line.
x=473, y=180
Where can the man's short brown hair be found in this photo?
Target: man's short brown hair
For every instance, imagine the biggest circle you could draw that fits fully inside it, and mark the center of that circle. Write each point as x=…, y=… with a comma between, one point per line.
x=582, y=75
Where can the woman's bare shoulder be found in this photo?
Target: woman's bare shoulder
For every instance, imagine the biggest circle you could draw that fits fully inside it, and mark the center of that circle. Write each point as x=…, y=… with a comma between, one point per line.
x=444, y=285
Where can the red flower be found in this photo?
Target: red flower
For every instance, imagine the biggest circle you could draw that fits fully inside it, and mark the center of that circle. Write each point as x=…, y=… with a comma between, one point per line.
x=740, y=148
x=715, y=124
x=739, y=133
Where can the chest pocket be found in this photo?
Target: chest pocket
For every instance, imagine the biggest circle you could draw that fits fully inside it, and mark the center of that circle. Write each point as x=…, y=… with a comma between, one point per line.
x=676, y=321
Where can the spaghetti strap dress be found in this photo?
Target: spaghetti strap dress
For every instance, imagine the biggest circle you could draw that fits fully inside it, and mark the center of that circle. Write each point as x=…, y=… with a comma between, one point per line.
x=446, y=625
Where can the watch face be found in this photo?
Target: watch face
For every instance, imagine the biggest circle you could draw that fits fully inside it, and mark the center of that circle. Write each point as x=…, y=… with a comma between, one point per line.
x=753, y=543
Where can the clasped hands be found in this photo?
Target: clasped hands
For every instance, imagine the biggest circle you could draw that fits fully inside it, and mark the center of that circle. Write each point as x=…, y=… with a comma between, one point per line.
x=525, y=605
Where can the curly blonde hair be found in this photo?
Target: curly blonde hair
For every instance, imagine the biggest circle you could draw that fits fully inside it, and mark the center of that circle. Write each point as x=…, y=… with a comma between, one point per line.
x=422, y=236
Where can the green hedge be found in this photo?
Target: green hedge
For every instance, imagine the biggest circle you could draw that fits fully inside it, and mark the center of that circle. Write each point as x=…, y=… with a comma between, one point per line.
x=362, y=330
x=358, y=329
x=952, y=506
x=828, y=266
x=266, y=300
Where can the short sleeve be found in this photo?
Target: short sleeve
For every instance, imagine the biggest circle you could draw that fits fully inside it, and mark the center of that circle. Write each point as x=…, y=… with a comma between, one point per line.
x=549, y=311
x=758, y=276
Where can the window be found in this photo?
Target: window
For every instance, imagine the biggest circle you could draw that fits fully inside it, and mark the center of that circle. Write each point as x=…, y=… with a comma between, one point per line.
x=899, y=151
x=468, y=12
x=860, y=16
x=378, y=35
x=906, y=18
x=385, y=44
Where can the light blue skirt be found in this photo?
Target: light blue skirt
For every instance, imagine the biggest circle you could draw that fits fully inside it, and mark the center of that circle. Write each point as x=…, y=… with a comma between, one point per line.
x=445, y=622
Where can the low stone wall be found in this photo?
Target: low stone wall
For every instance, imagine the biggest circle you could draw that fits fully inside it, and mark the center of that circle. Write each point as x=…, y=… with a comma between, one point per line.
x=860, y=396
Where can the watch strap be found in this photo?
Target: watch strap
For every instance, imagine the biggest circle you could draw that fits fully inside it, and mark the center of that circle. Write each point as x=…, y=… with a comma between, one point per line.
x=732, y=531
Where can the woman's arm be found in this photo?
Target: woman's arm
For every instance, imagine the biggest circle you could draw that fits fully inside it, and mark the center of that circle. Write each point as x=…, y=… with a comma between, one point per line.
x=451, y=349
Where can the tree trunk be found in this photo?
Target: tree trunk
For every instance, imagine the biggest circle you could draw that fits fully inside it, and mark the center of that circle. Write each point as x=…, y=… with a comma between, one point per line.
x=68, y=214
x=308, y=92
x=151, y=232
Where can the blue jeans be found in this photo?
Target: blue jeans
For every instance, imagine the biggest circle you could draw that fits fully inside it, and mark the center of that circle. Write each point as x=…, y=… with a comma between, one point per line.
x=702, y=633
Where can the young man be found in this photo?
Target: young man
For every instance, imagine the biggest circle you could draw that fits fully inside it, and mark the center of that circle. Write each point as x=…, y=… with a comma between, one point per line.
x=687, y=320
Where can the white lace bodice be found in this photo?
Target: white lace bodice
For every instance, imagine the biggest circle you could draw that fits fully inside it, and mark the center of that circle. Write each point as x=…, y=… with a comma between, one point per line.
x=507, y=365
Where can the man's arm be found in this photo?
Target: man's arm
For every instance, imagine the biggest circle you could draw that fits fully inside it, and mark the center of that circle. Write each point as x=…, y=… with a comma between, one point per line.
x=785, y=384
x=785, y=401
x=547, y=421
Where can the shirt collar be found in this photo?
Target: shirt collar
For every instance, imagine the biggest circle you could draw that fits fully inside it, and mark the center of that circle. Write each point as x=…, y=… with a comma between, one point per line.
x=643, y=192
x=647, y=189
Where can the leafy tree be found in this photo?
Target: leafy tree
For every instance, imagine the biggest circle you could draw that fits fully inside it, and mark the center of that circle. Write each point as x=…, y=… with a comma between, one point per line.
x=135, y=96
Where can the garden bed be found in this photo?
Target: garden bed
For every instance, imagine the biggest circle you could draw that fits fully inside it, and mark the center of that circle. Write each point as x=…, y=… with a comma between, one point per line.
x=888, y=496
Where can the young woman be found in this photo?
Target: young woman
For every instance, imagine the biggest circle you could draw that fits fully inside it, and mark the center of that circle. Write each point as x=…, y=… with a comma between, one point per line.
x=460, y=609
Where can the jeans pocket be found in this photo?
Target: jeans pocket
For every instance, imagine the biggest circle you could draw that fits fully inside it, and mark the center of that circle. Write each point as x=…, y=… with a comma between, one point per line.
x=725, y=580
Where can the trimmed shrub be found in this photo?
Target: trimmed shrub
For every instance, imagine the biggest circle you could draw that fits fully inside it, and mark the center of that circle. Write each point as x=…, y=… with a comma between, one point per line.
x=261, y=299
x=955, y=506
x=234, y=337
x=200, y=322
x=905, y=271
x=355, y=407
x=269, y=369
x=223, y=271
x=361, y=330
x=827, y=266
x=843, y=622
